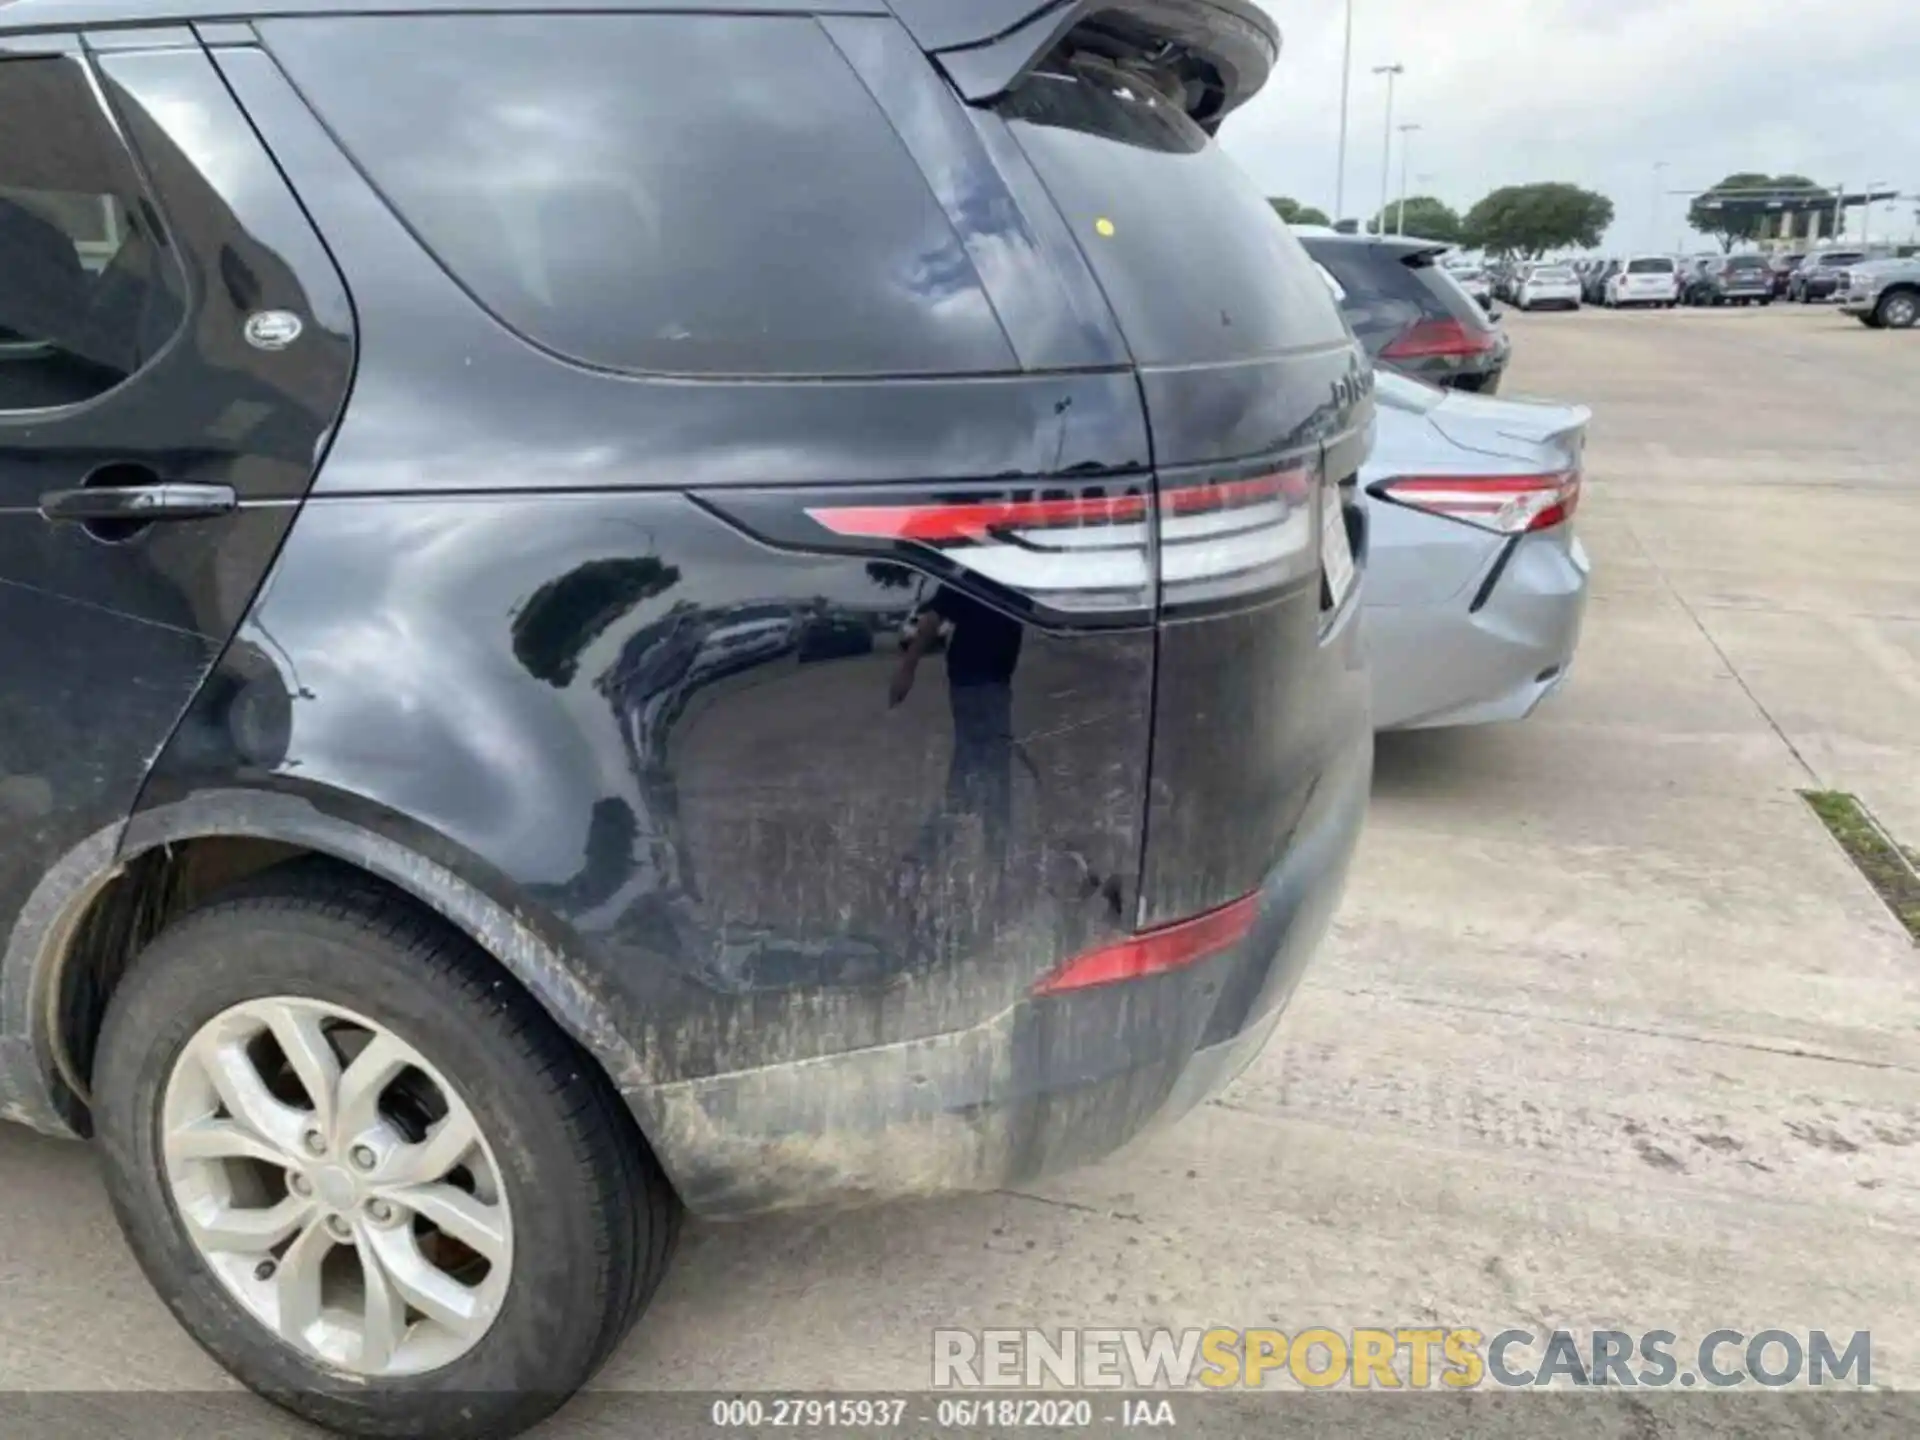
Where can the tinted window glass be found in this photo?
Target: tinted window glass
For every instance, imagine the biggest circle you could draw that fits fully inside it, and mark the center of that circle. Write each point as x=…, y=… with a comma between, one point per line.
x=1747, y=262
x=688, y=194
x=87, y=293
x=1387, y=290
x=1650, y=267
x=1192, y=258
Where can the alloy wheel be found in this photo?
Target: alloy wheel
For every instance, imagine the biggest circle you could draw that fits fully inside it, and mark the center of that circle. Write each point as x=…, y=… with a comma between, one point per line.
x=336, y=1184
x=1899, y=312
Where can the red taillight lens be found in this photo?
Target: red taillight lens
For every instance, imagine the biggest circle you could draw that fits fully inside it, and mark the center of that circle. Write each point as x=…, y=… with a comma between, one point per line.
x=1093, y=552
x=1429, y=338
x=1505, y=504
x=1172, y=947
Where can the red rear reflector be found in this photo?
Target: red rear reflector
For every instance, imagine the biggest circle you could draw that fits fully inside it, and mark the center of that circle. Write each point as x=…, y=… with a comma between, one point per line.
x=1429, y=338
x=1155, y=952
x=1507, y=504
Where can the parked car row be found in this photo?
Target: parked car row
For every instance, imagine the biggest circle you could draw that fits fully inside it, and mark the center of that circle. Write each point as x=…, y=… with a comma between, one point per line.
x=1712, y=279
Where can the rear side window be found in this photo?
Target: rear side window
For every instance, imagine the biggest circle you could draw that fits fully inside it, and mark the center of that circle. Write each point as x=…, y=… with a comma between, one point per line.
x=1387, y=291
x=1194, y=262
x=88, y=294
x=667, y=193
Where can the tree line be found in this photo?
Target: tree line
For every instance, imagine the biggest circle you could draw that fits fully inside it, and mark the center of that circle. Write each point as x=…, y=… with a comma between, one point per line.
x=1514, y=220
x=1530, y=220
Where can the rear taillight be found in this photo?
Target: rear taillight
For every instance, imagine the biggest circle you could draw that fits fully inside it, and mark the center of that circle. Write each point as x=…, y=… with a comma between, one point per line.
x=1155, y=952
x=1091, y=552
x=1429, y=338
x=1505, y=504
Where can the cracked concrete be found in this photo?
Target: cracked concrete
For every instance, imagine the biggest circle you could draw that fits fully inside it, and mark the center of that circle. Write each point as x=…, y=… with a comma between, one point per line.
x=1609, y=1033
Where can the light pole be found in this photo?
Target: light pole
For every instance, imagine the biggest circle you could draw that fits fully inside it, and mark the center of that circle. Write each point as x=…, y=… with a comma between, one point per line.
x=1659, y=169
x=1392, y=72
x=1406, y=149
x=1866, y=216
x=1346, y=90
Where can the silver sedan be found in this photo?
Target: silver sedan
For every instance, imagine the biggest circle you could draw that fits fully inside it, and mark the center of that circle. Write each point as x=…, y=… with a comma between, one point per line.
x=1476, y=585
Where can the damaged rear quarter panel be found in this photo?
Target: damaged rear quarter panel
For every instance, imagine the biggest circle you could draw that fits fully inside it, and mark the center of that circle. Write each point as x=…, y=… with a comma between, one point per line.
x=668, y=753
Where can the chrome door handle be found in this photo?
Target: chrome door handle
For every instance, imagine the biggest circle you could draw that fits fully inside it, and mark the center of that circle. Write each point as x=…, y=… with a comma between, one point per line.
x=139, y=504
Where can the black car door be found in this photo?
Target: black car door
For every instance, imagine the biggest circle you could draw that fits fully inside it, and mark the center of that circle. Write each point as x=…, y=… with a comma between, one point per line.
x=174, y=348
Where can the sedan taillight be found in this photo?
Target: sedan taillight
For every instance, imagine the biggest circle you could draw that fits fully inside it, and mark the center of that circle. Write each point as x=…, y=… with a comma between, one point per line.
x=1505, y=504
x=1431, y=338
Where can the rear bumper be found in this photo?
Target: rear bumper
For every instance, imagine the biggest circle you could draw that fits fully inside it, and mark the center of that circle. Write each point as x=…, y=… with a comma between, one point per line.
x=1050, y=1082
x=1479, y=374
x=1443, y=665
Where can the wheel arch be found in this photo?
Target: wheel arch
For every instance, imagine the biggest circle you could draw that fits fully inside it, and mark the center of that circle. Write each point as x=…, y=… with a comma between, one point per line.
x=110, y=895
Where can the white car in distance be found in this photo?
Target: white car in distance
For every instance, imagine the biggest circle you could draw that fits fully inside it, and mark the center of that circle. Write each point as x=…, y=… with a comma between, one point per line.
x=1645, y=280
x=1549, y=287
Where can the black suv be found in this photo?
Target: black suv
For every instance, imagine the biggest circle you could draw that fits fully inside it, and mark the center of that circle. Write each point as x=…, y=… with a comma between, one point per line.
x=605, y=609
x=1408, y=310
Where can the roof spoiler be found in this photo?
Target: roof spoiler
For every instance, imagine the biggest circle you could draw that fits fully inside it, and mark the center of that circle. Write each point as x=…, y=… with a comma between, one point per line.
x=1222, y=51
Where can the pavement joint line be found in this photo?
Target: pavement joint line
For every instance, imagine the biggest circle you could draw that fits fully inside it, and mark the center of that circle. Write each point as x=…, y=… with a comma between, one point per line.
x=1790, y=1051
x=1707, y=635
x=1073, y=1205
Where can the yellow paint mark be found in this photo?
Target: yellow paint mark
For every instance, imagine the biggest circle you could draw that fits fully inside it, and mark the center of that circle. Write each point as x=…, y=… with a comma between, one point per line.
x=1104, y=226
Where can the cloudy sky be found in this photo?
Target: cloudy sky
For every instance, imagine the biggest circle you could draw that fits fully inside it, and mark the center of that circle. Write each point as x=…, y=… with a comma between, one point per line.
x=1595, y=92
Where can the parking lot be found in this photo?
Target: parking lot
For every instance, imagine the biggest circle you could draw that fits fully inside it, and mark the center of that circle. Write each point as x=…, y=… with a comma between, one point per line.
x=1609, y=1034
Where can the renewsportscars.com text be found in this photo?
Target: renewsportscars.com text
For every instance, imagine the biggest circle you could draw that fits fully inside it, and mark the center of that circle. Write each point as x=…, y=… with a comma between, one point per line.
x=1400, y=1357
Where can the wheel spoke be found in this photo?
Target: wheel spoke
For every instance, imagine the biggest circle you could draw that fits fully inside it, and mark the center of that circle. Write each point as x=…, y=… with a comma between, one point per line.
x=384, y=1320
x=296, y=1283
x=247, y=1231
x=482, y=1228
x=211, y=1139
x=428, y=1289
x=230, y=1070
x=357, y=1099
x=445, y=1146
x=309, y=1052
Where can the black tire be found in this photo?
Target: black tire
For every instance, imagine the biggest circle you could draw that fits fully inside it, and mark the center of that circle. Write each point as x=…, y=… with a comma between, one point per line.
x=594, y=1217
x=1898, y=310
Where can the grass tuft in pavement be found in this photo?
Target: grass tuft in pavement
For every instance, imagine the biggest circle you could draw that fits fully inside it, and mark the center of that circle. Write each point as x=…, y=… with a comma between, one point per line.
x=1892, y=870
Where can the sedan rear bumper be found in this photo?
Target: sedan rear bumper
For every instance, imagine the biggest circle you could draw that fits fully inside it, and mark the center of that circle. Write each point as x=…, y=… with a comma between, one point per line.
x=1050, y=1082
x=1449, y=664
